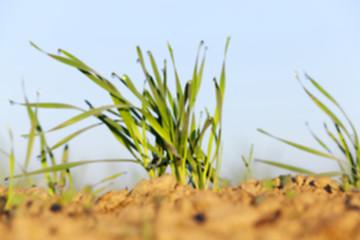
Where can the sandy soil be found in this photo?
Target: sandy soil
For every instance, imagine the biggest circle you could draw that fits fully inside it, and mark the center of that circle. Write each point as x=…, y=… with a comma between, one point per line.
x=284, y=208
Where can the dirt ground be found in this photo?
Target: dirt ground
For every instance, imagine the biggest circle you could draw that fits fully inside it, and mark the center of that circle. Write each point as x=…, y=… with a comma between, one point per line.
x=285, y=208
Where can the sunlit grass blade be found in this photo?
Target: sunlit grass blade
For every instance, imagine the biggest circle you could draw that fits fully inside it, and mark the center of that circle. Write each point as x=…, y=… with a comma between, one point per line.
x=286, y=166
x=156, y=74
x=71, y=136
x=318, y=139
x=322, y=90
x=64, y=166
x=332, y=136
x=48, y=105
x=179, y=93
x=112, y=177
x=344, y=145
x=325, y=109
x=87, y=71
x=75, y=63
x=304, y=148
x=66, y=173
x=223, y=70
x=84, y=115
x=32, y=132
x=9, y=193
x=247, y=163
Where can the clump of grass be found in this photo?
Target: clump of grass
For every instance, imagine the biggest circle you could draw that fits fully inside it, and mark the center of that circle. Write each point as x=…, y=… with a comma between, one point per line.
x=165, y=116
x=345, y=139
x=55, y=182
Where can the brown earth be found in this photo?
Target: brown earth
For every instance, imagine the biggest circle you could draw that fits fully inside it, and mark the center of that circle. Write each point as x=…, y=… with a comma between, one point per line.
x=284, y=208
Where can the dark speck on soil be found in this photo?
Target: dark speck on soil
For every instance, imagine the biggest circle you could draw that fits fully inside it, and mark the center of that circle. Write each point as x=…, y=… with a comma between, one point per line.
x=55, y=207
x=200, y=217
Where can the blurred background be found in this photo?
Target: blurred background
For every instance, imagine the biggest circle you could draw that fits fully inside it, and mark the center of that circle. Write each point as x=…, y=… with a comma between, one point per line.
x=270, y=40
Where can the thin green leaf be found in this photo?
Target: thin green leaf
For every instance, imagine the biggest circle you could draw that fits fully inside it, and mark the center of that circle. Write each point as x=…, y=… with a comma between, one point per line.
x=71, y=136
x=286, y=166
x=70, y=165
x=318, y=139
x=304, y=148
x=92, y=112
x=112, y=177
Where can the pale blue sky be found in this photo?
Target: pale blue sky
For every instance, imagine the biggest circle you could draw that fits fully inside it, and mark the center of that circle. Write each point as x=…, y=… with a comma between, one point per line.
x=269, y=41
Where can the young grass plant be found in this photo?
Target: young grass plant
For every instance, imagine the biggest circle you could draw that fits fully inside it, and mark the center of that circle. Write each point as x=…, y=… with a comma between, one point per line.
x=346, y=139
x=55, y=182
x=247, y=163
x=168, y=117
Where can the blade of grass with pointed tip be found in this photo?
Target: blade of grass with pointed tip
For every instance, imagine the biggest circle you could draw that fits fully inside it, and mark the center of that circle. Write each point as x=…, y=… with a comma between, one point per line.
x=286, y=166
x=74, y=62
x=179, y=93
x=347, y=154
x=31, y=136
x=156, y=73
x=66, y=172
x=304, y=148
x=218, y=111
x=344, y=145
x=332, y=136
x=71, y=136
x=84, y=115
x=325, y=109
x=112, y=177
x=223, y=75
x=48, y=105
x=195, y=80
x=70, y=165
x=9, y=193
x=322, y=90
x=322, y=144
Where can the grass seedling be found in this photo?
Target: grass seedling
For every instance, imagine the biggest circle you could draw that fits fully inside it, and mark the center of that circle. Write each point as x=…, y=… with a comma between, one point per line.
x=247, y=163
x=346, y=140
x=55, y=182
x=169, y=120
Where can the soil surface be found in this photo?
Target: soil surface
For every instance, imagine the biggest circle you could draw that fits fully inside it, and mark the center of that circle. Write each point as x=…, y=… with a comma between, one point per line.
x=284, y=208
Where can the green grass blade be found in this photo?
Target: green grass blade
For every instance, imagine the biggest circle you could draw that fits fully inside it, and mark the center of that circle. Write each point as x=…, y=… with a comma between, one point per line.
x=157, y=74
x=179, y=93
x=71, y=136
x=286, y=166
x=219, y=99
x=304, y=148
x=332, y=136
x=112, y=177
x=318, y=139
x=9, y=193
x=74, y=63
x=66, y=172
x=84, y=115
x=251, y=154
x=32, y=132
x=324, y=108
x=223, y=75
x=322, y=90
x=48, y=105
x=5, y=153
x=70, y=165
